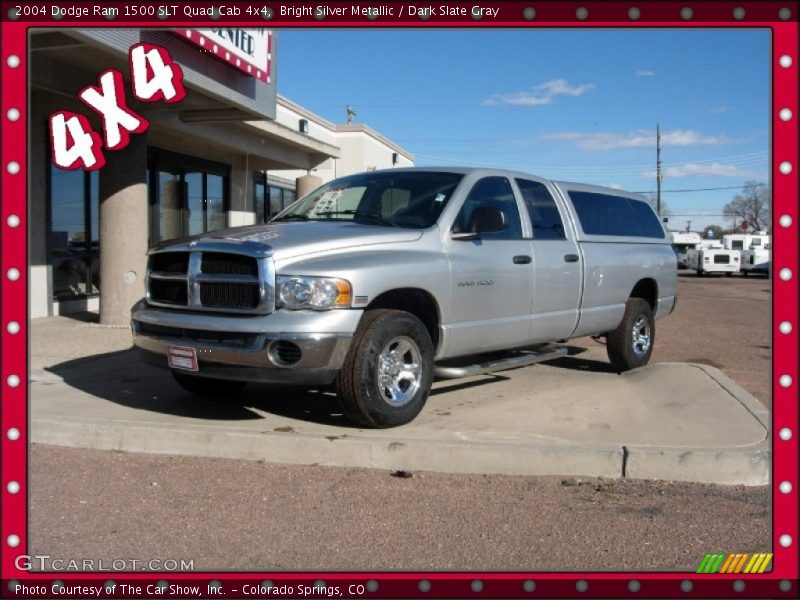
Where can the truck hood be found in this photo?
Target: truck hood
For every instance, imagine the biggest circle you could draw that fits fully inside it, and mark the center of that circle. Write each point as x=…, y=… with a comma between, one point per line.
x=298, y=238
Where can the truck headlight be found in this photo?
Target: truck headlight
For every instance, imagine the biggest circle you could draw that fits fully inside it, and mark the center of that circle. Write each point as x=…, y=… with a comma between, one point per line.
x=316, y=293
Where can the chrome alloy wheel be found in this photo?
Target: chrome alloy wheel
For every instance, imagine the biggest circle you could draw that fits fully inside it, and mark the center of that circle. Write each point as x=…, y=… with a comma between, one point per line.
x=641, y=336
x=399, y=371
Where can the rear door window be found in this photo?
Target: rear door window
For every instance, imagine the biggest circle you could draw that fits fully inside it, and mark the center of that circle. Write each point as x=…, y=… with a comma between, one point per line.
x=545, y=218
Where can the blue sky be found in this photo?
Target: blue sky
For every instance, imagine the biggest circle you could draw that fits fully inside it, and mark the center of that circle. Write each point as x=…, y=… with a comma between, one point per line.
x=578, y=105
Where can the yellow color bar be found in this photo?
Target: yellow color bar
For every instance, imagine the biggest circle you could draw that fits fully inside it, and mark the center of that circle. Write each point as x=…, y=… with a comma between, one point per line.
x=751, y=562
x=765, y=562
x=754, y=560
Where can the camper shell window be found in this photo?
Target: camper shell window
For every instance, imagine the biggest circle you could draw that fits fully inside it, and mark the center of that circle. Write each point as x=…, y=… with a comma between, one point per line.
x=605, y=214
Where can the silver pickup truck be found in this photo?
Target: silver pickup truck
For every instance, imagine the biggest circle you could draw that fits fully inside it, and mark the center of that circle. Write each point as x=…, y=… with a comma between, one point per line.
x=378, y=282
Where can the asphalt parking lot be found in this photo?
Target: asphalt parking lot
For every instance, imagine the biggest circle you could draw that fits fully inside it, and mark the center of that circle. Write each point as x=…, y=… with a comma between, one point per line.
x=230, y=514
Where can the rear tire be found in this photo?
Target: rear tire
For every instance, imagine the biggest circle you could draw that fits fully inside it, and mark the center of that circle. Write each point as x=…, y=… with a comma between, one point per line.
x=630, y=345
x=387, y=374
x=728, y=274
x=208, y=387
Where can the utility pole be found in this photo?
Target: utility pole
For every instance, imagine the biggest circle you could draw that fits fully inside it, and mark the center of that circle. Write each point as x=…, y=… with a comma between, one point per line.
x=658, y=170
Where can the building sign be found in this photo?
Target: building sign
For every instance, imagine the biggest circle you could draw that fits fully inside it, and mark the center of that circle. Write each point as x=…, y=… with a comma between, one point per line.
x=153, y=76
x=249, y=50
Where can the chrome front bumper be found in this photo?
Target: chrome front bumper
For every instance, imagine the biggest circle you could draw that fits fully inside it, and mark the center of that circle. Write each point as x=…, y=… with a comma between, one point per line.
x=244, y=353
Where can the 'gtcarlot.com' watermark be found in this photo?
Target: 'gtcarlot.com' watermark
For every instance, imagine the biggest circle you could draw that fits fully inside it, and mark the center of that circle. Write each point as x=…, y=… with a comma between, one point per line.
x=45, y=562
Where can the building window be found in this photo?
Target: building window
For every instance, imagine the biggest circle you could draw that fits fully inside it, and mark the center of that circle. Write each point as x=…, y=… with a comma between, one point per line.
x=269, y=199
x=74, y=233
x=187, y=195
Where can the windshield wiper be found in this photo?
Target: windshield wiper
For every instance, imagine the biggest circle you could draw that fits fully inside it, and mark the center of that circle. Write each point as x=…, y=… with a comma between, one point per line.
x=298, y=217
x=358, y=213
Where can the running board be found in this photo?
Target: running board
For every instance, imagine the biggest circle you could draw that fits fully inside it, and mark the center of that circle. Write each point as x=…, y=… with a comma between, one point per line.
x=512, y=362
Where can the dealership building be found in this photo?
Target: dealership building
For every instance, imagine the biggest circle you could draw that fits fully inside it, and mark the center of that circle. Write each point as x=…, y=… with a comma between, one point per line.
x=232, y=152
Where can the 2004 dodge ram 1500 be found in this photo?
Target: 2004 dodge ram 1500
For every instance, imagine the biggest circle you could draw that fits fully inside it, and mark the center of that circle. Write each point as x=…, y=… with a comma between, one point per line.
x=379, y=281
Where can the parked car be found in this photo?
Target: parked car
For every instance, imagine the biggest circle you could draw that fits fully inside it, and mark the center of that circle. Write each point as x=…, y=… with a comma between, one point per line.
x=378, y=282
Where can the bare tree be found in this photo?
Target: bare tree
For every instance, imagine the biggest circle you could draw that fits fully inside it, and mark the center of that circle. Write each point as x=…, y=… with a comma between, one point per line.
x=752, y=205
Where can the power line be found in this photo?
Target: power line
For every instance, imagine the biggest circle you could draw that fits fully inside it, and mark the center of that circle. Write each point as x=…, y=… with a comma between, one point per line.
x=735, y=187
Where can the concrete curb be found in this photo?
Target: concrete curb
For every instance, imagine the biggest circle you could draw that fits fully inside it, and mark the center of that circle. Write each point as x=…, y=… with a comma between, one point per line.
x=366, y=452
x=745, y=465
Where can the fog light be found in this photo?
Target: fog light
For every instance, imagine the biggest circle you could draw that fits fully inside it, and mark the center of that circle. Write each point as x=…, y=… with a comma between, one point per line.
x=284, y=353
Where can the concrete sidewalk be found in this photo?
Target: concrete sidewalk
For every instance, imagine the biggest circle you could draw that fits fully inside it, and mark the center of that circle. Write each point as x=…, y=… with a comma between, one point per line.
x=666, y=421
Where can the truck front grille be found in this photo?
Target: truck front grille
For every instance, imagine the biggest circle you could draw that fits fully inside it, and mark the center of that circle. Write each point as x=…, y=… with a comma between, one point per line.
x=217, y=263
x=170, y=262
x=229, y=295
x=212, y=280
x=722, y=259
x=169, y=292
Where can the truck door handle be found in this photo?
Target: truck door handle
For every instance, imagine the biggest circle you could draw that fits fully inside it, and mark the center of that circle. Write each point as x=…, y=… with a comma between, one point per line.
x=522, y=259
x=570, y=258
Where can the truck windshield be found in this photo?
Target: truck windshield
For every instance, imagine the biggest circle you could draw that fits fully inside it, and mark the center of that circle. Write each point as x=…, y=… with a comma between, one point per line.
x=392, y=199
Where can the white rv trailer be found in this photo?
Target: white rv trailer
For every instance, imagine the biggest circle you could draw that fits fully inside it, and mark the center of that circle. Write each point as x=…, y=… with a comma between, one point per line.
x=755, y=250
x=746, y=241
x=710, y=260
x=682, y=242
x=755, y=261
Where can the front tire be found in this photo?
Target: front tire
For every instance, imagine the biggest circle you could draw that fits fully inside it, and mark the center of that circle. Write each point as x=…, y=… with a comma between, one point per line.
x=630, y=345
x=387, y=374
x=208, y=387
